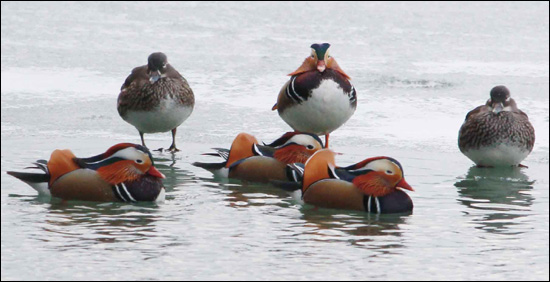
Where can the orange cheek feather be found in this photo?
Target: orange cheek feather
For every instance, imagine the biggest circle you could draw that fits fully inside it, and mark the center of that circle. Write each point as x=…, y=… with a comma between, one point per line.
x=373, y=184
x=309, y=64
x=292, y=154
x=332, y=64
x=119, y=172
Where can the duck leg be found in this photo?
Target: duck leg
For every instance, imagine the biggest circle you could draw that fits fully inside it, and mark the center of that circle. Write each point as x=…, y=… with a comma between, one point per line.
x=173, y=148
x=142, y=141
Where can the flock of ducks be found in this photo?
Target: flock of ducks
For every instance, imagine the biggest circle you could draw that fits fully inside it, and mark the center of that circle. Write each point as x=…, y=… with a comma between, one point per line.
x=317, y=99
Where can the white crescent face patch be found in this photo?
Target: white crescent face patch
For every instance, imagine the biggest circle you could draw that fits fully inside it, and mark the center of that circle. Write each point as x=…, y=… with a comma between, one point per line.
x=381, y=165
x=304, y=140
x=131, y=154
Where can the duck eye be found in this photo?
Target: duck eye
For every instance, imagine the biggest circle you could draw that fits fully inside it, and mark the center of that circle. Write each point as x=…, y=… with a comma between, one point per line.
x=139, y=161
x=389, y=172
x=311, y=147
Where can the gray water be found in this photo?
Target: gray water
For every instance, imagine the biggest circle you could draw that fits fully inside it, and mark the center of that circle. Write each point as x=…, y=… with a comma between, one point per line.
x=418, y=69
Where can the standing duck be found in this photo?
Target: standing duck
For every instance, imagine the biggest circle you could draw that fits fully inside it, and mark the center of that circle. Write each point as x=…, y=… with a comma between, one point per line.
x=497, y=133
x=125, y=172
x=373, y=185
x=156, y=98
x=250, y=161
x=319, y=97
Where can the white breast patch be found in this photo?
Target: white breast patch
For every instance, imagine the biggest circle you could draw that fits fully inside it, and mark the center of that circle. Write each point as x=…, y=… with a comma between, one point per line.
x=167, y=116
x=326, y=110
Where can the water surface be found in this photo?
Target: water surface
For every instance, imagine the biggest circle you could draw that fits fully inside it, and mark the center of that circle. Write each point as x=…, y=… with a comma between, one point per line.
x=418, y=69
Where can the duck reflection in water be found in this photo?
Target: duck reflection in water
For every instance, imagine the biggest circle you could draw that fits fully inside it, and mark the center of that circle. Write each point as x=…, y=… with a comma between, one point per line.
x=175, y=176
x=85, y=224
x=358, y=228
x=318, y=224
x=244, y=194
x=496, y=197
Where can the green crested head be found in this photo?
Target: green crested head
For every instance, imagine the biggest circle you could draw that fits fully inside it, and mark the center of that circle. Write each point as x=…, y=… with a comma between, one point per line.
x=320, y=49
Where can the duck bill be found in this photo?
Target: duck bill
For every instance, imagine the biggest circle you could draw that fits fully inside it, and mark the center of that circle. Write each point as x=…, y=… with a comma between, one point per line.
x=155, y=172
x=154, y=76
x=321, y=66
x=497, y=107
x=404, y=185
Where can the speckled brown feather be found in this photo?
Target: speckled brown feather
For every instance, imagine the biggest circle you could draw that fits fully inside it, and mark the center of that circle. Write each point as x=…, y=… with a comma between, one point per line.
x=139, y=94
x=483, y=128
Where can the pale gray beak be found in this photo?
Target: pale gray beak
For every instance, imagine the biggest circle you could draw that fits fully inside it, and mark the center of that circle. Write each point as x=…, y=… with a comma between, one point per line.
x=498, y=108
x=154, y=76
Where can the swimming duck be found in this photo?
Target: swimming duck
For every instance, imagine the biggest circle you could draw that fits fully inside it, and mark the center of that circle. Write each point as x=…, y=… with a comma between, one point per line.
x=125, y=172
x=497, y=133
x=319, y=97
x=156, y=98
x=250, y=161
x=373, y=185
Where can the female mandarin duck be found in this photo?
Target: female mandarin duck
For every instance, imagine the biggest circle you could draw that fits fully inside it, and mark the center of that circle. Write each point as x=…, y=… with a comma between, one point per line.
x=125, y=172
x=319, y=97
x=371, y=185
x=247, y=160
x=156, y=98
x=497, y=133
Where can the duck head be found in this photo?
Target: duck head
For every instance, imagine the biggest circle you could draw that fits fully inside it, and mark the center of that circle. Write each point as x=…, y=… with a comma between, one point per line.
x=378, y=176
x=296, y=147
x=121, y=163
x=156, y=66
x=500, y=100
x=319, y=60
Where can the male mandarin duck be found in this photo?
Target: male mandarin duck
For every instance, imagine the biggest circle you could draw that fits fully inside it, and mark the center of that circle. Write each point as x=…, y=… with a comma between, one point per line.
x=319, y=97
x=373, y=185
x=125, y=172
x=250, y=161
x=497, y=133
x=156, y=98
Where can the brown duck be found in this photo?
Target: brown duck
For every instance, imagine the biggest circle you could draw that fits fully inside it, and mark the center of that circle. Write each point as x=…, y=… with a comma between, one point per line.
x=156, y=98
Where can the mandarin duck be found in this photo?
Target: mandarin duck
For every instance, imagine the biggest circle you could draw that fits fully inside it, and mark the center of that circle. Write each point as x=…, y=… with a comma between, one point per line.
x=156, y=98
x=248, y=160
x=497, y=133
x=373, y=185
x=319, y=97
x=125, y=172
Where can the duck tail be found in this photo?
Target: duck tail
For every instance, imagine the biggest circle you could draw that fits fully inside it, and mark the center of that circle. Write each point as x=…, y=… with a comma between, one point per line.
x=217, y=169
x=38, y=181
x=209, y=166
